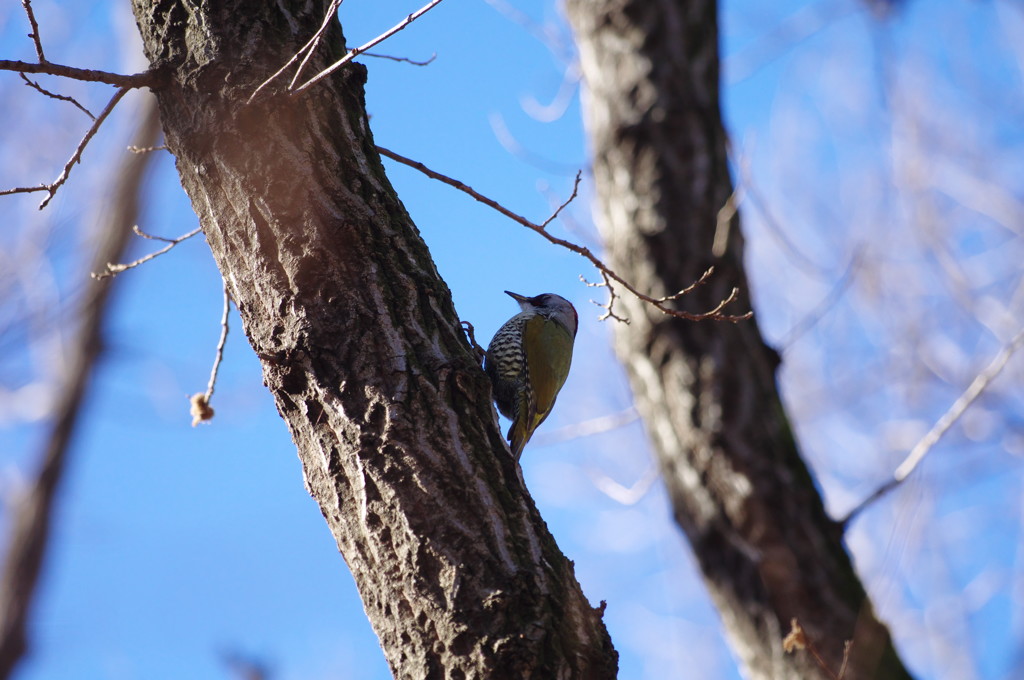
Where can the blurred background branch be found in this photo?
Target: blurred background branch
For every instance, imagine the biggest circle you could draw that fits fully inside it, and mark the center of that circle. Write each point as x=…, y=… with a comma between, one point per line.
x=31, y=526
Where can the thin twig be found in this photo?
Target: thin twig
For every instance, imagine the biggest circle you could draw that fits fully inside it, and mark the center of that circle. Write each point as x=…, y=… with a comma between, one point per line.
x=77, y=156
x=724, y=221
x=144, y=79
x=51, y=188
x=609, y=275
x=200, y=409
x=54, y=95
x=114, y=269
x=310, y=46
x=820, y=661
x=693, y=286
x=942, y=425
x=24, y=190
x=352, y=54
x=605, y=282
x=138, y=232
x=846, y=659
x=27, y=4
x=402, y=59
x=220, y=343
x=572, y=197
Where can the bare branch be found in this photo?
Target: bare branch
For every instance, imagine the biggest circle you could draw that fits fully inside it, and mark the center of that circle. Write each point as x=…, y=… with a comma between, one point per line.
x=51, y=189
x=605, y=282
x=693, y=286
x=144, y=79
x=315, y=42
x=138, y=232
x=585, y=234
x=846, y=659
x=942, y=425
x=27, y=4
x=201, y=410
x=561, y=207
x=54, y=95
x=77, y=156
x=309, y=47
x=24, y=190
x=114, y=269
x=734, y=295
x=220, y=343
x=724, y=221
x=402, y=59
x=352, y=54
x=607, y=274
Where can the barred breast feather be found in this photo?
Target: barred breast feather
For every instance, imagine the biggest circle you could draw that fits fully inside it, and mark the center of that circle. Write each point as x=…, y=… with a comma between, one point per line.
x=506, y=365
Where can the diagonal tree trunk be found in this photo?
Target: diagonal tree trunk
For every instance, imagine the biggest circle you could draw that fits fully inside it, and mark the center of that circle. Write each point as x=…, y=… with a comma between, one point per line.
x=362, y=350
x=707, y=391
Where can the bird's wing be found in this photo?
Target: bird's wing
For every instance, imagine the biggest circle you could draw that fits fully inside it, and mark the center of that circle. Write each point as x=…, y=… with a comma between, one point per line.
x=548, y=356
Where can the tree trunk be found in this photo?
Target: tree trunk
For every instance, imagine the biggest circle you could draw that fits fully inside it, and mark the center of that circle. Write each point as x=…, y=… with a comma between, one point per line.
x=361, y=348
x=707, y=391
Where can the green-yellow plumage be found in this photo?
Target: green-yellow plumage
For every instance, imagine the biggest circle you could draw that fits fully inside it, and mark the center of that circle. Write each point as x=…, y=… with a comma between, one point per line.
x=528, y=361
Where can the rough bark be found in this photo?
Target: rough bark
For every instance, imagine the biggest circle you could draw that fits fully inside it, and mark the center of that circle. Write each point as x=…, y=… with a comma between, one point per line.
x=707, y=391
x=30, y=527
x=361, y=348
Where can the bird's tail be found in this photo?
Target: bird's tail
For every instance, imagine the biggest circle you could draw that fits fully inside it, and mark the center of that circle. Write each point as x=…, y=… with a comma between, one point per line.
x=518, y=434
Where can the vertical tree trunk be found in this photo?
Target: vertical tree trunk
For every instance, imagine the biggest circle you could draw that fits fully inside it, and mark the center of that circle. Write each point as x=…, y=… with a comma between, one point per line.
x=707, y=391
x=362, y=350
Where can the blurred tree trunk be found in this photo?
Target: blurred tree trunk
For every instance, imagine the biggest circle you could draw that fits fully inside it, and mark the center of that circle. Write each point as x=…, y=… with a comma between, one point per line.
x=362, y=350
x=707, y=391
x=33, y=515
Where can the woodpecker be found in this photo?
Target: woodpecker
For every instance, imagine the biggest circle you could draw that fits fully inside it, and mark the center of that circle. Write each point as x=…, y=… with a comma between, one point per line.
x=528, y=360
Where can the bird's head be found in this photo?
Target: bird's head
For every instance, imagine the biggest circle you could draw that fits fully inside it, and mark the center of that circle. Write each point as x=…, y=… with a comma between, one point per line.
x=550, y=305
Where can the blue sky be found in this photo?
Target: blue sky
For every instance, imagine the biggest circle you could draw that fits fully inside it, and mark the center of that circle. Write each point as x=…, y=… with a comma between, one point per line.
x=177, y=546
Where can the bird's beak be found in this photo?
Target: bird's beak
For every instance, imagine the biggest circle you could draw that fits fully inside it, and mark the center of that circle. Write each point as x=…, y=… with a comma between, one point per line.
x=516, y=296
